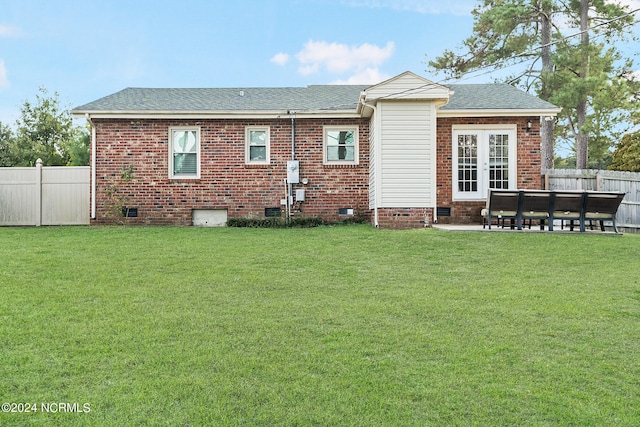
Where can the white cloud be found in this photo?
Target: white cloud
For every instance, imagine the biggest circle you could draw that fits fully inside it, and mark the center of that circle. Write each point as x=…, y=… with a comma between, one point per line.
x=280, y=59
x=337, y=58
x=4, y=80
x=8, y=31
x=364, y=77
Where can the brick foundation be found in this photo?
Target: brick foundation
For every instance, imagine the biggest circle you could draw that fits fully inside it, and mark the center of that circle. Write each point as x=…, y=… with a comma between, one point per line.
x=402, y=218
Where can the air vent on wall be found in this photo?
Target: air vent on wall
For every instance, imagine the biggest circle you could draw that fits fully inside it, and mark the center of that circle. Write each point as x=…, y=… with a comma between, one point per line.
x=129, y=212
x=272, y=212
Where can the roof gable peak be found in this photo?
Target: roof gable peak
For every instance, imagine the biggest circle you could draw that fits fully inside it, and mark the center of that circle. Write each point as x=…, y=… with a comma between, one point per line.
x=408, y=85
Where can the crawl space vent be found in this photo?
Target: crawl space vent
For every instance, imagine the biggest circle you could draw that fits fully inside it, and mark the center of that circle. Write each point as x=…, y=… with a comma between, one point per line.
x=272, y=212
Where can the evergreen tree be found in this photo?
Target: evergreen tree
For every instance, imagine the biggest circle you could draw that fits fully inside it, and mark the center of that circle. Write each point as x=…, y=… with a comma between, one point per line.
x=626, y=156
x=572, y=73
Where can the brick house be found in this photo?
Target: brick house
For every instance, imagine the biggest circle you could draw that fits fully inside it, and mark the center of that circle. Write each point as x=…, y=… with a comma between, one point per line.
x=404, y=153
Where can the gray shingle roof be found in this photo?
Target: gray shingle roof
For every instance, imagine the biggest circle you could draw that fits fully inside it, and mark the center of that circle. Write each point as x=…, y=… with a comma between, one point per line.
x=329, y=97
x=310, y=98
x=493, y=97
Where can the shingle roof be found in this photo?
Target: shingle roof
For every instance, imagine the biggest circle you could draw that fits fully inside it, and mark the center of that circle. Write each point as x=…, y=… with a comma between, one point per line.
x=329, y=97
x=499, y=96
x=310, y=98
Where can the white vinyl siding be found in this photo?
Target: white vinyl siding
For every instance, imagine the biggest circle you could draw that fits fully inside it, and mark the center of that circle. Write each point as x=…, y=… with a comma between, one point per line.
x=406, y=164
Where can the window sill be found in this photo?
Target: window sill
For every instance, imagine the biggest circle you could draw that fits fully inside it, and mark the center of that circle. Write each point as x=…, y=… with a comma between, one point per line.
x=184, y=179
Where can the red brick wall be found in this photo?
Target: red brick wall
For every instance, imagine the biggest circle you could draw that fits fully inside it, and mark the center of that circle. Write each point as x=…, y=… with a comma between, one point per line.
x=226, y=182
x=528, y=164
x=246, y=190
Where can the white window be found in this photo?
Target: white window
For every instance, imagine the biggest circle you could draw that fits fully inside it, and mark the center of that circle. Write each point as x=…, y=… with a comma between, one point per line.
x=184, y=152
x=340, y=145
x=257, y=142
x=484, y=157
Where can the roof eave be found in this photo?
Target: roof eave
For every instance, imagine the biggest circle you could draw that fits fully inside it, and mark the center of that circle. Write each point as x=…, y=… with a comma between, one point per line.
x=268, y=114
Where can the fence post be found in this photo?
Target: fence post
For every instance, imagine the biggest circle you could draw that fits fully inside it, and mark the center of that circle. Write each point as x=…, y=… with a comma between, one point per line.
x=38, y=192
x=599, y=182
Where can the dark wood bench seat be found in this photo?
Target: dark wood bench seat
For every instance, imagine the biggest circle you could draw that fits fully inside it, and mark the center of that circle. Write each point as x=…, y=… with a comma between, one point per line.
x=547, y=206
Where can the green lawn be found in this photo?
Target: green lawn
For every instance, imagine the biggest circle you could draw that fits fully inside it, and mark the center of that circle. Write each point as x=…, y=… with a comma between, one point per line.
x=332, y=326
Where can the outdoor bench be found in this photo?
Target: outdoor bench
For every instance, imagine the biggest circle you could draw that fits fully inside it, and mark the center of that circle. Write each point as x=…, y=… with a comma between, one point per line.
x=546, y=206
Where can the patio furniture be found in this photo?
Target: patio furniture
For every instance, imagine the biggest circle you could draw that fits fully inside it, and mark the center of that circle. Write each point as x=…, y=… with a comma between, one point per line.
x=502, y=204
x=537, y=204
x=567, y=206
x=521, y=206
x=601, y=207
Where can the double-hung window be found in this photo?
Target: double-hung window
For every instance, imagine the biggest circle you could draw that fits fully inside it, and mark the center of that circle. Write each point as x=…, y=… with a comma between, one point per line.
x=340, y=145
x=257, y=142
x=484, y=157
x=184, y=152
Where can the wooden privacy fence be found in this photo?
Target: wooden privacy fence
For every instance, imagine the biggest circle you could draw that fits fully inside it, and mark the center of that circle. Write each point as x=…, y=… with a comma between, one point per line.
x=44, y=195
x=628, y=216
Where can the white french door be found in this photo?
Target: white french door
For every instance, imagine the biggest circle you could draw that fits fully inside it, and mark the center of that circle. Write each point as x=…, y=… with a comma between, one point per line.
x=483, y=158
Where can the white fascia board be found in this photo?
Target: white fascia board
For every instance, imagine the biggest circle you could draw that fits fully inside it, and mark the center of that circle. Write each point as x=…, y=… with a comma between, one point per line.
x=213, y=115
x=498, y=113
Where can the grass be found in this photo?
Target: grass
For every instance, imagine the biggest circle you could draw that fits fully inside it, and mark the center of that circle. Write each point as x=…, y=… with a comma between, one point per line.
x=331, y=326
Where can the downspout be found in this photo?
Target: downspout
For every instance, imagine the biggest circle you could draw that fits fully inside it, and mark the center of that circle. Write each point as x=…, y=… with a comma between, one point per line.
x=293, y=134
x=293, y=157
x=436, y=106
x=375, y=207
x=93, y=165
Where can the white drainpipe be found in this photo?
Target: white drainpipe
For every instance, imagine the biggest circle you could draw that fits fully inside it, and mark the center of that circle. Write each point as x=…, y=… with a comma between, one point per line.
x=93, y=166
x=375, y=207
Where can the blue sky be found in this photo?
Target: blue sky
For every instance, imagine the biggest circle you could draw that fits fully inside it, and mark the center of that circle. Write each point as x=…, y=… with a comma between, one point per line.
x=88, y=49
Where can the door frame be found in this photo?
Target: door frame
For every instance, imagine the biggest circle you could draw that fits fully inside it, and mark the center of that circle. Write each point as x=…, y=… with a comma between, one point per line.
x=483, y=133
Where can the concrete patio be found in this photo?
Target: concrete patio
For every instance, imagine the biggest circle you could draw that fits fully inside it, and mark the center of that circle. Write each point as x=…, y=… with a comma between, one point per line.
x=534, y=228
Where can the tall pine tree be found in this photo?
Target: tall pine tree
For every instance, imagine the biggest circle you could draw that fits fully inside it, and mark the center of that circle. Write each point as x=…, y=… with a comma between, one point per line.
x=571, y=72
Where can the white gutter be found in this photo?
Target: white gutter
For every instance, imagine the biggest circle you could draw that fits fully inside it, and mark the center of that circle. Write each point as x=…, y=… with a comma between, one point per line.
x=200, y=115
x=498, y=113
x=377, y=171
x=93, y=165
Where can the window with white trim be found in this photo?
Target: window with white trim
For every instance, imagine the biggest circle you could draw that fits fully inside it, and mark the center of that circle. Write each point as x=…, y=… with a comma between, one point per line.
x=257, y=143
x=484, y=157
x=340, y=145
x=184, y=152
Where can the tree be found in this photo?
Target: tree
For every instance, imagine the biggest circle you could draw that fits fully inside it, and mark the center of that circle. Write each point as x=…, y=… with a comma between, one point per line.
x=604, y=101
x=43, y=131
x=6, y=140
x=78, y=147
x=626, y=156
x=511, y=32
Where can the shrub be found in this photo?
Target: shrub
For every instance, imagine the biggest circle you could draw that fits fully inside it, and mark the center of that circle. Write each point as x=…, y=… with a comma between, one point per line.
x=305, y=222
x=255, y=222
x=250, y=222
